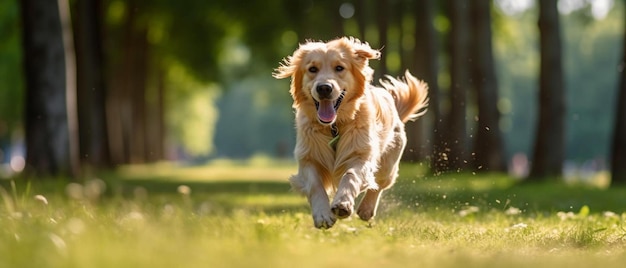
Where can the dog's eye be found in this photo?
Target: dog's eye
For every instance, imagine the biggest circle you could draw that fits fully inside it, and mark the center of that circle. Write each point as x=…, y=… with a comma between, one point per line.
x=313, y=69
x=339, y=68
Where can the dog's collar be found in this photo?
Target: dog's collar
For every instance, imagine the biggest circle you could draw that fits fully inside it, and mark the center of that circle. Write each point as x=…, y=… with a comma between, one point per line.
x=334, y=131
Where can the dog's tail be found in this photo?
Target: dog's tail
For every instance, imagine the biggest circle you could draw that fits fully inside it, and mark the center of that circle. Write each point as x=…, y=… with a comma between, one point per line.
x=410, y=94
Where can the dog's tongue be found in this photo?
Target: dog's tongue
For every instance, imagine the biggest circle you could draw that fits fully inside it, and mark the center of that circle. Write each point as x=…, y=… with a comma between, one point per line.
x=326, y=111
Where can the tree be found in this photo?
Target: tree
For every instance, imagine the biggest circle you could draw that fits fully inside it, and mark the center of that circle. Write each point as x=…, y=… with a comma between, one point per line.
x=361, y=17
x=488, y=145
x=382, y=21
x=126, y=103
x=424, y=66
x=91, y=88
x=459, y=80
x=618, y=154
x=48, y=89
x=11, y=77
x=550, y=133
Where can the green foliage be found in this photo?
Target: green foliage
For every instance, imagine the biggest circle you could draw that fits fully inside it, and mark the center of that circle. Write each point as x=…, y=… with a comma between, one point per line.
x=192, y=115
x=591, y=52
x=219, y=45
x=242, y=214
x=11, y=85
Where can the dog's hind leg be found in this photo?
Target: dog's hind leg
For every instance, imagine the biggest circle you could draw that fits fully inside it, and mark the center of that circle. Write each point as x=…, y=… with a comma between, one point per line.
x=385, y=176
x=369, y=204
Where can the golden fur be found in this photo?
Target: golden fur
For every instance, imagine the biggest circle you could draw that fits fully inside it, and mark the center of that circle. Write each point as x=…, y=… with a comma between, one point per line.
x=331, y=87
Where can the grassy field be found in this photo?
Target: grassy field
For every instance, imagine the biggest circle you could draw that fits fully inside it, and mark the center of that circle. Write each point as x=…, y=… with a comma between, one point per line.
x=230, y=214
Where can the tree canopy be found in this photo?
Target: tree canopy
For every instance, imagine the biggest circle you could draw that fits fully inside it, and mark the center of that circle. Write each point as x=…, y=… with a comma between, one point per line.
x=197, y=74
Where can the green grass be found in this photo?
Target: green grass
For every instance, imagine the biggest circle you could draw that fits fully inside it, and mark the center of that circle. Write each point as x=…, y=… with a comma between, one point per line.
x=242, y=214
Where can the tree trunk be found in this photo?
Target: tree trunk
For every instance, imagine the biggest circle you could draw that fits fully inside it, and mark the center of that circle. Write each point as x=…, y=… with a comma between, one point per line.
x=155, y=119
x=488, y=145
x=618, y=153
x=126, y=107
x=424, y=66
x=618, y=156
x=47, y=127
x=550, y=133
x=361, y=17
x=382, y=19
x=137, y=83
x=118, y=104
x=91, y=92
x=337, y=19
x=459, y=80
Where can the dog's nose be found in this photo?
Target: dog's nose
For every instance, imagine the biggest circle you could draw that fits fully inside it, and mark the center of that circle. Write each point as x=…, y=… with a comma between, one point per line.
x=324, y=90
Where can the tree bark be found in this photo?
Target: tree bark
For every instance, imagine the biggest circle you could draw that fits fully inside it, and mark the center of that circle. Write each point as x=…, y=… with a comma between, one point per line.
x=382, y=19
x=337, y=19
x=459, y=81
x=154, y=116
x=47, y=127
x=138, y=84
x=549, y=144
x=488, y=145
x=361, y=17
x=618, y=152
x=126, y=107
x=424, y=66
x=118, y=104
x=91, y=88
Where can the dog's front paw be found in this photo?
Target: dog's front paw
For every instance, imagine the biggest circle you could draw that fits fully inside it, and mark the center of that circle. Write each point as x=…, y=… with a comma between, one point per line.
x=342, y=209
x=324, y=220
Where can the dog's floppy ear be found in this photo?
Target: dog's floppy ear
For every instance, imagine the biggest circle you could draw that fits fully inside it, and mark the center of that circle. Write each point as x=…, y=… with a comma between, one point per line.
x=361, y=54
x=365, y=52
x=362, y=50
x=290, y=67
x=286, y=68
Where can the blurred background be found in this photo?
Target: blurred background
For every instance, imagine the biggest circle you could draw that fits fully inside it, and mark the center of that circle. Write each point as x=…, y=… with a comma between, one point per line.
x=97, y=84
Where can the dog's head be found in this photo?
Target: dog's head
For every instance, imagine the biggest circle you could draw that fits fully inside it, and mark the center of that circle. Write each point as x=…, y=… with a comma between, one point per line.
x=323, y=75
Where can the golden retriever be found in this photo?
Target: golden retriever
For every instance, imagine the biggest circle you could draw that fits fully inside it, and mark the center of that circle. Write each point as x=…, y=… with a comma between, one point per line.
x=350, y=134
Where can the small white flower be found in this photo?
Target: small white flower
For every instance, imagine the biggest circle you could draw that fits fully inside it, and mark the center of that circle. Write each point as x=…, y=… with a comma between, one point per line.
x=41, y=199
x=184, y=190
x=520, y=225
x=565, y=215
x=468, y=211
x=513, y=211
x=610, y=214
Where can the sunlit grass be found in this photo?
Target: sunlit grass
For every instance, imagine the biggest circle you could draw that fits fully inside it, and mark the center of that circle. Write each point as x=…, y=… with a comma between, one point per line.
x=257, y=168
x=173, y=216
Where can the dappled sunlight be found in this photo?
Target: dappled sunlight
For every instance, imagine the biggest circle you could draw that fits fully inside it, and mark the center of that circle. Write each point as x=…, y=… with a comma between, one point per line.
x=173, y=215
x=183, y=150
x=254, y=169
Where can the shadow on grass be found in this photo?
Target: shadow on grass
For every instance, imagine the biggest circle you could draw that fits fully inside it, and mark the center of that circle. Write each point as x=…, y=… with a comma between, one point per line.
x=211, y=187
x=500, y=192
x=413, y=192
x=259, y=196
x=445, y=193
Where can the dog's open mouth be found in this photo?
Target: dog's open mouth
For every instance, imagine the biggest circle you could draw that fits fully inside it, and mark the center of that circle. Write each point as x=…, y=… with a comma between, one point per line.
x=327, y=109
